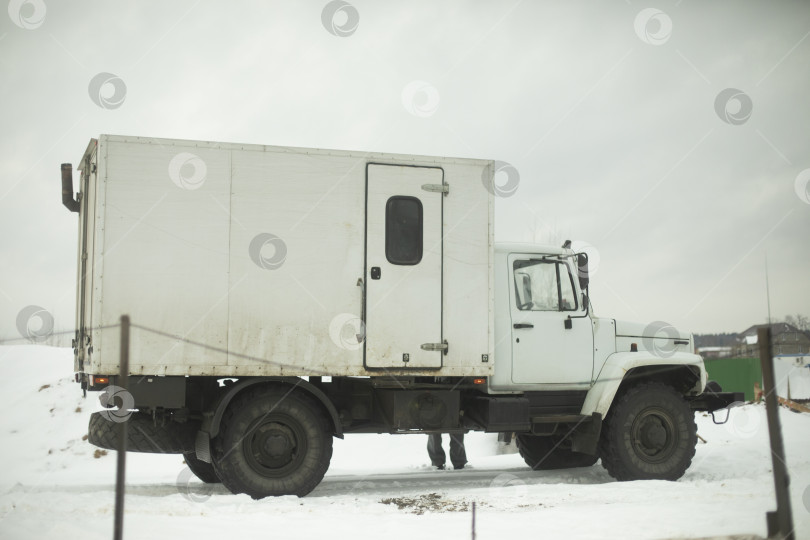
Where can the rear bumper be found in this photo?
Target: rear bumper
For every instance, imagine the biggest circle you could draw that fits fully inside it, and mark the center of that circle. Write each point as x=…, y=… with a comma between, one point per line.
x=712, y=401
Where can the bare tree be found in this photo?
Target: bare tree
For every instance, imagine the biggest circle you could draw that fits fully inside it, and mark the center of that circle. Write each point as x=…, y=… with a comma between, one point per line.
x=799, y=321
x=542, y=232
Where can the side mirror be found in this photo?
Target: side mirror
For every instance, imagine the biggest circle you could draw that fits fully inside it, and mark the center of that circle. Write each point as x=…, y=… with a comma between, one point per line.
x=582, y=270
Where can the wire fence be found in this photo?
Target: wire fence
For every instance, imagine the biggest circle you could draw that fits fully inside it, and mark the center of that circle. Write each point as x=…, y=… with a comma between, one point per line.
x=659, y=353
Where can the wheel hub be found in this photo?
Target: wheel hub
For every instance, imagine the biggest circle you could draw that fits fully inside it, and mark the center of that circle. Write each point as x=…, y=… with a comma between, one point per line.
x=273, y=446
x=277, y=445
x=654, y=436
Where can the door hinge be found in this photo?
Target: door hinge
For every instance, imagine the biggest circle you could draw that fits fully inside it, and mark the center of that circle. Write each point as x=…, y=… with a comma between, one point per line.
x=437, y=188
x=436, y=346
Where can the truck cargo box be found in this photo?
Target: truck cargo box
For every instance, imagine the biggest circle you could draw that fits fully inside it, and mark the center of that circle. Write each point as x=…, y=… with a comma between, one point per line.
x=246, y=260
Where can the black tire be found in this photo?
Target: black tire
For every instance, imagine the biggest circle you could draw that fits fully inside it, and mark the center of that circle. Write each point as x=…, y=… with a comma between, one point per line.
x=544, y=453
x=202, y=470
x=650, y=434
x=273, y=441
x=143, y=434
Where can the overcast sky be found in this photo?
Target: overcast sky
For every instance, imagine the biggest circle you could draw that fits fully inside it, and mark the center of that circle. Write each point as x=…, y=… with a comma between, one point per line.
x=615, y=114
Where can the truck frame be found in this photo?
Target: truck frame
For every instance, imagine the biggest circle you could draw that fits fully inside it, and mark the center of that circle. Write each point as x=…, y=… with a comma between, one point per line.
x=281, y=297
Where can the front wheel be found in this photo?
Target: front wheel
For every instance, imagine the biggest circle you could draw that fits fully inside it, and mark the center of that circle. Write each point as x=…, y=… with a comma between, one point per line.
x=649, y=434
x=273, y=441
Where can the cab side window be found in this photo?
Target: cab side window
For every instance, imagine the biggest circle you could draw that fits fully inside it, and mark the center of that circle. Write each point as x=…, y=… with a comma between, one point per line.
x=542, y=285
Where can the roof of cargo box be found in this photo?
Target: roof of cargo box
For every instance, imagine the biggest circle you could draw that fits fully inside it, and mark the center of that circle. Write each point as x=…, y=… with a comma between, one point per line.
x=287, y=149
x=525, y=247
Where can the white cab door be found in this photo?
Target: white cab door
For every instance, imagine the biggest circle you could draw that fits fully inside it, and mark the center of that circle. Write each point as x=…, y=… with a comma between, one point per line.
x=544, y=349
x=403, y=276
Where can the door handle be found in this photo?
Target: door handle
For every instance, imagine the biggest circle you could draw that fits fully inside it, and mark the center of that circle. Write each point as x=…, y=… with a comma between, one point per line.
x=443, y=347
x=434, y=346
x=522, y=325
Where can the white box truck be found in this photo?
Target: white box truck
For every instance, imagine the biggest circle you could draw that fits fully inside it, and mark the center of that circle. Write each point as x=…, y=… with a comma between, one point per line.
x=280, y=297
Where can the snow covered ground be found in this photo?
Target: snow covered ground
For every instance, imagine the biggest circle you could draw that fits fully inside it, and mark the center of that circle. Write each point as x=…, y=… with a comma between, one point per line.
x=56, y=485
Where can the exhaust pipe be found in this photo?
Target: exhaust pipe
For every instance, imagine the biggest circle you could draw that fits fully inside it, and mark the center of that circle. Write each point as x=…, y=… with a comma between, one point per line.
x=67, y=188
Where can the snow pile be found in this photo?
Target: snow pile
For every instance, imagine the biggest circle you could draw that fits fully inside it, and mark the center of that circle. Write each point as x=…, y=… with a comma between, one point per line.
x=56, y=485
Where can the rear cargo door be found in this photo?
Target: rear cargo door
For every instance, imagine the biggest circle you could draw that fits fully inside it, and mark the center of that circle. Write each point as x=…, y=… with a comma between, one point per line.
x=403, y=272
x=86, y=257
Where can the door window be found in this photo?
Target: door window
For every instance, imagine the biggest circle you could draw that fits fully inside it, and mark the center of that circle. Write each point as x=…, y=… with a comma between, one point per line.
x=403, y=230
x=542, y=285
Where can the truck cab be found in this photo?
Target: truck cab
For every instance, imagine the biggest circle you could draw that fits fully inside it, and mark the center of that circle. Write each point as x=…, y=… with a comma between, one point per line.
x=585, y=378
x=545, y=325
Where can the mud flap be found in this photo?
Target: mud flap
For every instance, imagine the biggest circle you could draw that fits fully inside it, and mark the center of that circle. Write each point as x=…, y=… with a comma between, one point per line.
x=202, y=446
x=586, y=435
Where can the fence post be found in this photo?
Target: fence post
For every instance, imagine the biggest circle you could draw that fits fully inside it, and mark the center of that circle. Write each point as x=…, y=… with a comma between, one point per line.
x=120, y=473
x=780, y=522
x=473, y=520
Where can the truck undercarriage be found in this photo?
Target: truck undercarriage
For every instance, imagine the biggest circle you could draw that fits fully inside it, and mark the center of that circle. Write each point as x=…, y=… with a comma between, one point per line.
x=549, y=430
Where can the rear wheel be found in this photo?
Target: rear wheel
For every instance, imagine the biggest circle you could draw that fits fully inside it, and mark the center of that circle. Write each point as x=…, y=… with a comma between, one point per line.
x=202, y=470
x=649, y=434
x=144, y=434
x=546, y=452
x=273, y=441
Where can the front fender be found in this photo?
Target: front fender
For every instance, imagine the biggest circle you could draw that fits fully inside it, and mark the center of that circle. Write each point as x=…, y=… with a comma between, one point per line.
x=618, y=365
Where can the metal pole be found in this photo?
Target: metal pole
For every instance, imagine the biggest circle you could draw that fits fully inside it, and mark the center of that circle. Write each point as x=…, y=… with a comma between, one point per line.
x=120, y=473
x=473, y=520
x=780, y=523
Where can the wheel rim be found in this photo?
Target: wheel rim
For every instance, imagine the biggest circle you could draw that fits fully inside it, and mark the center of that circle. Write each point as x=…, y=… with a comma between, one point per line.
x=275, y=446
x=654, y=436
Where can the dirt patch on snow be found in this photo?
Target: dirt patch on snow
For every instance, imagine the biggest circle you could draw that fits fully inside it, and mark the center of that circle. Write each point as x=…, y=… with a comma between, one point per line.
x=431, y=502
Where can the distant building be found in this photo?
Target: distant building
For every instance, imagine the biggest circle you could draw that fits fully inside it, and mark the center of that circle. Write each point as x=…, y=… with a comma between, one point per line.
x=785, y=338
x=715, y=352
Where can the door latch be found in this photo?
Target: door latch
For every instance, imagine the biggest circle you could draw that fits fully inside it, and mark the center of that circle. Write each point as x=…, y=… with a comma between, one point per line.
x=437, y=188
x=436, y=346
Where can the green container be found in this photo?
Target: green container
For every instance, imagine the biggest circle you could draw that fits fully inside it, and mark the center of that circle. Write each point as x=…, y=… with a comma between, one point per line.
x=735, y=374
